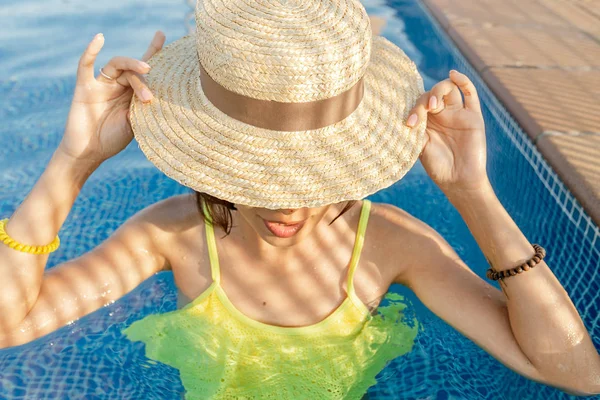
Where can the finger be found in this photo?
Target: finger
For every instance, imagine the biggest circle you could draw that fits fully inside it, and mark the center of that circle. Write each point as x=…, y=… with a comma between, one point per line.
x=444, y=94
x=418, y=112
x=157, y=43
x=467, y=88
x=85, y=70
x=117, y=65
x=377, y=24
x=138, y=85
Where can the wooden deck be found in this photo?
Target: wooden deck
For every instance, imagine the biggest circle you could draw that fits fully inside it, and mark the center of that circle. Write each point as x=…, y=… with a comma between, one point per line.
x=542, y=60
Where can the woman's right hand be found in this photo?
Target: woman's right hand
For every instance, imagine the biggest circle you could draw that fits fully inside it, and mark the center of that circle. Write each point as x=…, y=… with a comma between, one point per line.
x=98, y=123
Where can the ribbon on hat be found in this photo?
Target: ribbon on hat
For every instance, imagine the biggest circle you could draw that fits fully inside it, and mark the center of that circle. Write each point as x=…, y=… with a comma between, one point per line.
x=274, y=115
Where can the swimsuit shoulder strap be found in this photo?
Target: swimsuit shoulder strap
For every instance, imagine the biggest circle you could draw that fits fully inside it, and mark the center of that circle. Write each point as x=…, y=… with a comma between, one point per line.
x=358, y=243
x=212, y=247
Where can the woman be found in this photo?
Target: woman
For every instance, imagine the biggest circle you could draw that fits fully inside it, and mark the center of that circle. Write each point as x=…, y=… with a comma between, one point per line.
x=281, y=141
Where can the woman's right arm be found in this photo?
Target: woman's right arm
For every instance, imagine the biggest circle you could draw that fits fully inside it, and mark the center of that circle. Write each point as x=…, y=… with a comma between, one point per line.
x=34, y=303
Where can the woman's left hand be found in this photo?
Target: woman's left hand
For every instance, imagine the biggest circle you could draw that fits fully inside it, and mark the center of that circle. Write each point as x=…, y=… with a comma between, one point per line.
x=455, y=153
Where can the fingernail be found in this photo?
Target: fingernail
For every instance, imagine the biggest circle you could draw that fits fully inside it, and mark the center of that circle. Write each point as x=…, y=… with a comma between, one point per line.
x=433, y=103
x=143, y=64
x=145, y=95
x=412, y=120
x=454, y=71
x=99, y=36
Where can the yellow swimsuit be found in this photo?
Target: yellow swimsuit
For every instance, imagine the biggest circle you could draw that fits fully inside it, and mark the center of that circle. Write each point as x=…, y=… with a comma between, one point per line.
x=223, y=354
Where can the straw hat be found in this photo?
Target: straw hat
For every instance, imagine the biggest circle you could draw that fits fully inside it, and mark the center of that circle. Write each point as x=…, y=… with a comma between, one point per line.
x=281, y=104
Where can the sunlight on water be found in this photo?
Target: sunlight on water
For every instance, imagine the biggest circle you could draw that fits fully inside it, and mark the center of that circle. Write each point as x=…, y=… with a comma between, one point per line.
x=40, y=44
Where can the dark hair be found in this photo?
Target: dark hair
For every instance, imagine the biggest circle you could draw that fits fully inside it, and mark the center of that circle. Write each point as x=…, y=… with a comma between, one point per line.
x=219, y=211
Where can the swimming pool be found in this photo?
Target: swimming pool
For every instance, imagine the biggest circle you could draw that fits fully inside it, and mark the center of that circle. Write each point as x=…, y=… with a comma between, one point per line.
x=39, y=48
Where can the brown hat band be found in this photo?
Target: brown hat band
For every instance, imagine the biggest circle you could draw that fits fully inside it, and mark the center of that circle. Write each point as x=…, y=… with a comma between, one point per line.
x=280, y=116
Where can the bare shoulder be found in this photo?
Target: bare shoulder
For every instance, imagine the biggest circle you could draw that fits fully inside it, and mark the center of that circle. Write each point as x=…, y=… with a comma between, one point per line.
x=402, y=239
x=171, y=213
x=167, y=219
x=391, y=219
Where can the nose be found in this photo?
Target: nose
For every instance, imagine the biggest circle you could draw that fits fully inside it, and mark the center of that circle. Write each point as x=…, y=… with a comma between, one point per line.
x=288, y=211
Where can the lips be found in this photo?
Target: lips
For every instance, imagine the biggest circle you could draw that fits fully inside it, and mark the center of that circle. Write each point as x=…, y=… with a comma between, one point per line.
x=283, y=230
x=286, y=223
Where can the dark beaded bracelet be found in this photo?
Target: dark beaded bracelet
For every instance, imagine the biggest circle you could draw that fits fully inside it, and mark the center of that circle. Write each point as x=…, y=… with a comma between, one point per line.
x=540, y=253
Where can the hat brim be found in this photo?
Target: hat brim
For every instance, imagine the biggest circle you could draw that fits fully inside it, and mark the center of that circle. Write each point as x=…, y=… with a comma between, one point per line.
x=186, y=137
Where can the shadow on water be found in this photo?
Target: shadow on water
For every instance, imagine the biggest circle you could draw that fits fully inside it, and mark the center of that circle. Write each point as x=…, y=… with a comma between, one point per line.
x=91, y=358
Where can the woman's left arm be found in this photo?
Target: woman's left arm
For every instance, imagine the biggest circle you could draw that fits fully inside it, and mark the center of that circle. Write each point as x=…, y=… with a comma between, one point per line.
x=531, y=326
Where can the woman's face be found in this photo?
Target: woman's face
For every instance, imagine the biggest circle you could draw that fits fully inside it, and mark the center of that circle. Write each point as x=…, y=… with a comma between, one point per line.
x=282, y=228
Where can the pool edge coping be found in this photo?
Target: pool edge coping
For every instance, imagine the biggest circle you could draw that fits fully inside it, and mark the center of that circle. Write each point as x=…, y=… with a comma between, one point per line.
x=551, y=153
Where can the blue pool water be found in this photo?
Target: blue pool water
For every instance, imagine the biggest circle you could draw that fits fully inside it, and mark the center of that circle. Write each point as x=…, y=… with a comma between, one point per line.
x=40, y=44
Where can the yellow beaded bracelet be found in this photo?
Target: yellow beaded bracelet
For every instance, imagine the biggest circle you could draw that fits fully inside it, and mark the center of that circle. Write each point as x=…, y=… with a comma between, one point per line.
x=13, y=244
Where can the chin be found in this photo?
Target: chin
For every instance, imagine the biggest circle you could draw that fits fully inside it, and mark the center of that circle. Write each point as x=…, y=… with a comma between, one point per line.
x=256, y=217
x=283, y=242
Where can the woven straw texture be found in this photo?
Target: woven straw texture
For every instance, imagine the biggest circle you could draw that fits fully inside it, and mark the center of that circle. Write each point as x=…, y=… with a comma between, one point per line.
x=286, y=51
x=295, y=52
